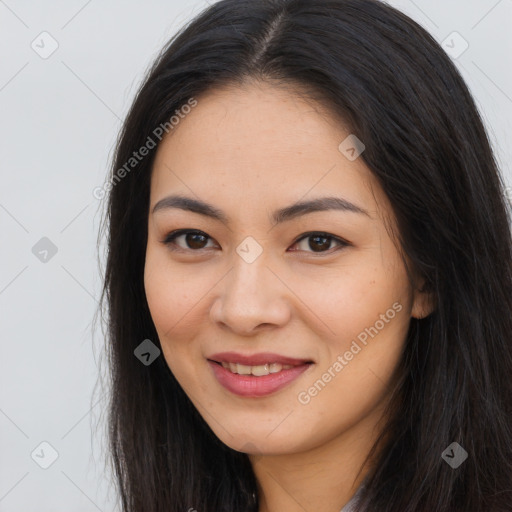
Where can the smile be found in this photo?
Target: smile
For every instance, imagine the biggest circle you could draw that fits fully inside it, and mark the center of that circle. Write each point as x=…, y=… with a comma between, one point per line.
x=257, y=371
x=257, y=375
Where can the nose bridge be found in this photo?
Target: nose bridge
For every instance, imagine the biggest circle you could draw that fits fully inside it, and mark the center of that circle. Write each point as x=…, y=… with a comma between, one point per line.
x=248, y=274
x=250, y=270
x=251, y=295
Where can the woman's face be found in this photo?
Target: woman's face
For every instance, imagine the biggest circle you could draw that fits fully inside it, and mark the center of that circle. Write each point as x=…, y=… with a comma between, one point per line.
x=319, y=293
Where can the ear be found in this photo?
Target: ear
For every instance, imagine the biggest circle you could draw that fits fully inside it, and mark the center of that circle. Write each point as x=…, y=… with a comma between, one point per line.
x=423, y=300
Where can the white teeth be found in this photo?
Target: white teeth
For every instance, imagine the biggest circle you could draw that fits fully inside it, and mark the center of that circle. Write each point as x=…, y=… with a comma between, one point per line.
x=276, y=367
x=242, y=369
x=258, y=370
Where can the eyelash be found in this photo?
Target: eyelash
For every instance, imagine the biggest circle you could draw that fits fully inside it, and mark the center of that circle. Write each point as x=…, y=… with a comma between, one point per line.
x=169, y=240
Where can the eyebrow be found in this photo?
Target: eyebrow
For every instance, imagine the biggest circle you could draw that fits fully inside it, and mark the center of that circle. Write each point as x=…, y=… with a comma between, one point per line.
x=282, y=215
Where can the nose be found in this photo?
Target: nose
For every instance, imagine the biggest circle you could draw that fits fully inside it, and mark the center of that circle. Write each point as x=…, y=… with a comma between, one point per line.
x=252, y=298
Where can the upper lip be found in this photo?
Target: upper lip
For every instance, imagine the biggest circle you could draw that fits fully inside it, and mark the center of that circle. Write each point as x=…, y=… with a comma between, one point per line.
x=256, y=359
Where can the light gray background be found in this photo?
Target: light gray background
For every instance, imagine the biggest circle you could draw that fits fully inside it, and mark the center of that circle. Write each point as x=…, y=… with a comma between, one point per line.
x=59, y=120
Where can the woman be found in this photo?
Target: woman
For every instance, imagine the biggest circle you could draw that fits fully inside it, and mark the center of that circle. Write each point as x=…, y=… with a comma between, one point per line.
x=309, y=272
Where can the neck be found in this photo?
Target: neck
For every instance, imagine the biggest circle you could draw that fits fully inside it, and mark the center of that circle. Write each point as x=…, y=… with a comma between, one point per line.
x=325, y=477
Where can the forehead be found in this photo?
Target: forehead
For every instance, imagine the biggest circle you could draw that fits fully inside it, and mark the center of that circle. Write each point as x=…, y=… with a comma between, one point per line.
x=258, y=142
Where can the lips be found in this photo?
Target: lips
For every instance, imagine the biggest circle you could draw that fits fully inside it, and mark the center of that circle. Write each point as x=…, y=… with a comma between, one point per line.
x=256, y=359
x=256, y=375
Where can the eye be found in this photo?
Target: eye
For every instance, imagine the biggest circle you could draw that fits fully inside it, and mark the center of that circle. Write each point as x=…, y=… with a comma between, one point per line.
x=194, y=240
x=320, y=242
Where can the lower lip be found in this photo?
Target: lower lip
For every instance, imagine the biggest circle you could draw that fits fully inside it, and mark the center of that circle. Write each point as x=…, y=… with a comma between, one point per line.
x=251, y=386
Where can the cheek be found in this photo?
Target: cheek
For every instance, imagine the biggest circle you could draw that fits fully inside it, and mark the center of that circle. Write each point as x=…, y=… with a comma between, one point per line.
x=378, y=296
x=364, y=313
x=354, y=378
x=172, y=292
x=173, y=298
x=342, y=303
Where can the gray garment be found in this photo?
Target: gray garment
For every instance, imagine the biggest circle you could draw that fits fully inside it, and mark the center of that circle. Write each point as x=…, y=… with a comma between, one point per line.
x=350, y=506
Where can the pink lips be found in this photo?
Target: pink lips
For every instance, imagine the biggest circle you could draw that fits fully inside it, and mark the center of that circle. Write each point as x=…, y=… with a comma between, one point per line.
x=250, y=385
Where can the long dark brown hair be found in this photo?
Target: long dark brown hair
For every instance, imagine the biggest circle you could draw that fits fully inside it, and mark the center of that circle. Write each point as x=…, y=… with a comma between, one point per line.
x=400, y=94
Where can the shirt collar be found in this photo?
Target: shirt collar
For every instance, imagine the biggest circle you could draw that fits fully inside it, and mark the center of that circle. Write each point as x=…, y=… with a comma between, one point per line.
x=350, y=506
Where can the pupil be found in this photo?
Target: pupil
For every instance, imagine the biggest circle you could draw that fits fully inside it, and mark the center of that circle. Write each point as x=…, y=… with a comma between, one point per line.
x=315, y=247
x=191, y=243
